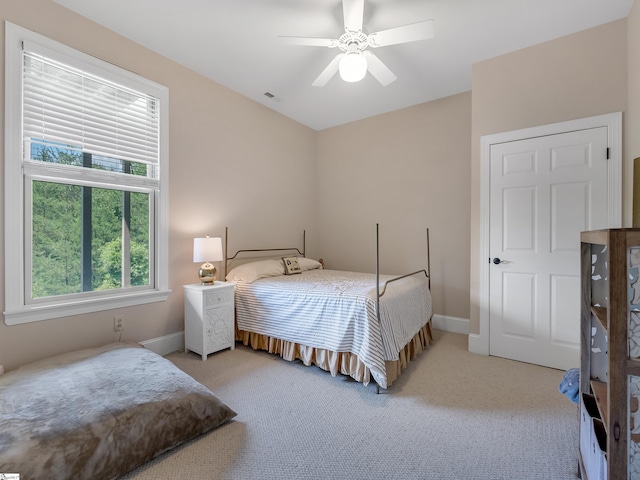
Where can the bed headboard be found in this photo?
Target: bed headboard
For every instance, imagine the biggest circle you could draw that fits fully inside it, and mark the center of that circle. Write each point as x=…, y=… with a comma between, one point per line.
x=264, y=251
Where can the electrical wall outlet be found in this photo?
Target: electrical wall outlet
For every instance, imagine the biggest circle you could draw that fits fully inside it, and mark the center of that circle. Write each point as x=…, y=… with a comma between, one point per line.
x=118, y=324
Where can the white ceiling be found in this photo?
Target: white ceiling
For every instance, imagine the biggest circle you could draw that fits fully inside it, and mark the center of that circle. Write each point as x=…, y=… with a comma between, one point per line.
x=234, y=42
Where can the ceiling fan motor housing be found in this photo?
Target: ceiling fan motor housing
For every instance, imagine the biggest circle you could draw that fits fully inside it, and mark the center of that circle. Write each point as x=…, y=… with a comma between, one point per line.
x=349, y=39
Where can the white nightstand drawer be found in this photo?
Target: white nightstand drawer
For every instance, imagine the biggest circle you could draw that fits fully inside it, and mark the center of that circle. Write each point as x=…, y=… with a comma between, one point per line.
x=218, y=296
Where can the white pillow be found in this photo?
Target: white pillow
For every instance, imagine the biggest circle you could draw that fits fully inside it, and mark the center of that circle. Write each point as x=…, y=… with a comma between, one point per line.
x=250, y=272
x=308, y=263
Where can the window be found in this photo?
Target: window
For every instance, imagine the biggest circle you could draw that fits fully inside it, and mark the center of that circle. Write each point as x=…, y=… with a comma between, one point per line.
x=85, y=193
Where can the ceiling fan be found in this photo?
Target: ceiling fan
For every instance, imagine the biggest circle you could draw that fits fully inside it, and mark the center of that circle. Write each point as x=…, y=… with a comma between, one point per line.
x=355, y=59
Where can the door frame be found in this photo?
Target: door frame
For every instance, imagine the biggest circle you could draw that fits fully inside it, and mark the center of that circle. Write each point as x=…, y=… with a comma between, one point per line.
x=479, y=342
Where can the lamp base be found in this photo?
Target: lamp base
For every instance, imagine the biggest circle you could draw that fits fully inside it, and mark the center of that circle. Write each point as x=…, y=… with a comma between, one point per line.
x=207, y=273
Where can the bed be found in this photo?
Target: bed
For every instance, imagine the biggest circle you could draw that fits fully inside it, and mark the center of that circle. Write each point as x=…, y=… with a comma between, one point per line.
x=98, y=413
x=367, y=326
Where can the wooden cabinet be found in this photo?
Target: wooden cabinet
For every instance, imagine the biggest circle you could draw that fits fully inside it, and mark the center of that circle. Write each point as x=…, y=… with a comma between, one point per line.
x=610, y=355
x=209, y=318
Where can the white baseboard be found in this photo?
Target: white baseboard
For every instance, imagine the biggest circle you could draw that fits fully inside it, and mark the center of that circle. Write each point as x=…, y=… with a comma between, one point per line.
x=175, y=341
x=165, y=345
x=478, y=344
x=450, y=324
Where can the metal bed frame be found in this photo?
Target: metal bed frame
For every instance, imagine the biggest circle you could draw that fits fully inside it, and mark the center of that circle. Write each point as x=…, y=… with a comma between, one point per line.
x=379, y=293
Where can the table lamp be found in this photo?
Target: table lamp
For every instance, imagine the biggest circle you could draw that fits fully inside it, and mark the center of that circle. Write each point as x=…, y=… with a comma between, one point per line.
x=207, y=250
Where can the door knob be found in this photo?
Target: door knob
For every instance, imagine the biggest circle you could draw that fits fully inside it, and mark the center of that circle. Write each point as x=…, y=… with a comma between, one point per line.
x=497, y=261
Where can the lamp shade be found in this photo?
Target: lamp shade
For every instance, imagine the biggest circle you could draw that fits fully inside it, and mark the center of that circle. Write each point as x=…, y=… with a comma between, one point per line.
x=208, y=249
x=352, y=67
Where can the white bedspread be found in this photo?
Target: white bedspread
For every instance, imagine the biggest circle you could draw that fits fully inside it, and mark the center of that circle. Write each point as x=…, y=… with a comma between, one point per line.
x=336, y=310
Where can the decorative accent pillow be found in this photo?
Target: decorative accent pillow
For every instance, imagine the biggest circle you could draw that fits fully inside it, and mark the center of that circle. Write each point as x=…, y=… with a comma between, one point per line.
x=250, y=272
x=291, y=265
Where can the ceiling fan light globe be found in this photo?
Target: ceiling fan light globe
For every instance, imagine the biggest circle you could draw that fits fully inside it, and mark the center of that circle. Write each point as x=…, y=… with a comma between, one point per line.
x=353, y=67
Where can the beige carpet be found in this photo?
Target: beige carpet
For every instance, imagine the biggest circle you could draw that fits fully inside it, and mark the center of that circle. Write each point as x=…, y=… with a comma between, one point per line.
x=451, y=415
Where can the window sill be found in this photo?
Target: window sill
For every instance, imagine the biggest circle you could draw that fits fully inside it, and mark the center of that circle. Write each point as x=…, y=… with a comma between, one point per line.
x=36, y=313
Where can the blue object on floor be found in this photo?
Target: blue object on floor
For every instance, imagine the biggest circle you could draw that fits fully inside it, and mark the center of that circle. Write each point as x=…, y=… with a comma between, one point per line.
x=570, y=384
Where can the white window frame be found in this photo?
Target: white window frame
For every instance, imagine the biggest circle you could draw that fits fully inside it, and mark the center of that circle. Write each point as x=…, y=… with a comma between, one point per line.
x=18, y=308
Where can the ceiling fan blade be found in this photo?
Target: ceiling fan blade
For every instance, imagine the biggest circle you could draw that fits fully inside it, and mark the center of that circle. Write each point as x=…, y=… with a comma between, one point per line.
x=379, y=69
x=353, y=11
x=313, y=42
x=407, y=33
x=328, y=72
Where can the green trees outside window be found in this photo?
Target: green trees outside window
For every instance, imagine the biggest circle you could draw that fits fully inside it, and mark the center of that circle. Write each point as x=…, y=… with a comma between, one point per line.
x=78, y=231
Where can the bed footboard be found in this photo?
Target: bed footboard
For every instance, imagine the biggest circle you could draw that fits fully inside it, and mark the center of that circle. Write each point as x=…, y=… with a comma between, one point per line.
x=426, y=271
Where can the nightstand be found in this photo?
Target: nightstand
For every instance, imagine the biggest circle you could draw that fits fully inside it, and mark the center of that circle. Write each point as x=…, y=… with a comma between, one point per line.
x=209, y=322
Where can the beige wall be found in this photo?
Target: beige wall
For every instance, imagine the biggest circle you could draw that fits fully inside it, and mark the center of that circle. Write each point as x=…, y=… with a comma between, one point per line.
x=406, y=170
x=229, y=161
x=576, y=76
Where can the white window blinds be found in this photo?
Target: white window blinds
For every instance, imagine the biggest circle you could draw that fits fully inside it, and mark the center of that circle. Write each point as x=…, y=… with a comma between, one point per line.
x=69, y=107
